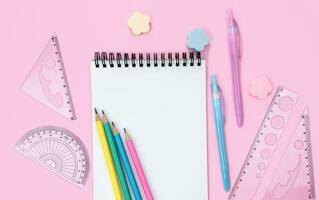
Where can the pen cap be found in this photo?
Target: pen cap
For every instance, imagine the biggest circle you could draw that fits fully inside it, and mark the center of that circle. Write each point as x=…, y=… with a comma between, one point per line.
x=214, y=84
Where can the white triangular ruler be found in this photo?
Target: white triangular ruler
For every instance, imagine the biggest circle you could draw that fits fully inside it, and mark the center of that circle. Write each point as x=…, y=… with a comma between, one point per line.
x=293, y=179
x=47, y=81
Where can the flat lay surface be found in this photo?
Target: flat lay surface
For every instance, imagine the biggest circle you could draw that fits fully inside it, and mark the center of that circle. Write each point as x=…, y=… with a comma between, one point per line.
x=279, y=40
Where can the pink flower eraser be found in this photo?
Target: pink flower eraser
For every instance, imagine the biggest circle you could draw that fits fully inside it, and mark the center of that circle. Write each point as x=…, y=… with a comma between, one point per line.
x=260, y=87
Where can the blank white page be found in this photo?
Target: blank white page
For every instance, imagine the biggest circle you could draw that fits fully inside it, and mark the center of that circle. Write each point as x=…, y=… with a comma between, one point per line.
x=164, y=110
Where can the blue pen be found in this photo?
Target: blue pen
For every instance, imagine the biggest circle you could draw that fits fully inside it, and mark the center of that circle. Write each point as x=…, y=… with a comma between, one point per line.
x=219, y=123
x=126, y=163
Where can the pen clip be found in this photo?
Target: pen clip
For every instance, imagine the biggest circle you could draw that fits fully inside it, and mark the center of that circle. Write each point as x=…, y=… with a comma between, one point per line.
x=223, y=102
x=238, y=38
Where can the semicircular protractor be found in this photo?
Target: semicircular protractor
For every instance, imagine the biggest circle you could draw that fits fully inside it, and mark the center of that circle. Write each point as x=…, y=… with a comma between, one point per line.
x=59, y=150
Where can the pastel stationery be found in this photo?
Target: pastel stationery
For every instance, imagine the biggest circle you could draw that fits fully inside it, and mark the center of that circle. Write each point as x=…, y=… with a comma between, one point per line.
x=47, y=81
x=108, y=159
x=234, y=52
x=260, y=87
x=138, y=166
x=197, y=39
x=264, y=145
x=59, y=150
x=116, y=157
x=162, y=98
x=126, y=163
x=139, y=23
x=220, y=132
x=294, y=179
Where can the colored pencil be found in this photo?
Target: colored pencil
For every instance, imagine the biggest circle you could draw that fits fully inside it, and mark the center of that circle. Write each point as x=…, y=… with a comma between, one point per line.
x=108, y=158
x=138, y=166
x=116, y=158
x=126, y=163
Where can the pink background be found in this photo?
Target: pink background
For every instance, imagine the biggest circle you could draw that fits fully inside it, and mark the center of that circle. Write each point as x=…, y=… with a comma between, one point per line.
x=280, y=39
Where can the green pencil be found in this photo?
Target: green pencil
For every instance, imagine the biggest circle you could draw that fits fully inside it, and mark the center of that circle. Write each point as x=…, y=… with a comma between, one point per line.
x=116, y=158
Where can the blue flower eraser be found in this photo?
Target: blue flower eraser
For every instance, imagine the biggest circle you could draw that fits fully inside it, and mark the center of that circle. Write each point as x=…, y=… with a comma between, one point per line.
x=197, y=39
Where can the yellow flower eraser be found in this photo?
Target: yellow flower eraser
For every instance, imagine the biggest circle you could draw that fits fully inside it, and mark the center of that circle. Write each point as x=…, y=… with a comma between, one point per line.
x=139, y=23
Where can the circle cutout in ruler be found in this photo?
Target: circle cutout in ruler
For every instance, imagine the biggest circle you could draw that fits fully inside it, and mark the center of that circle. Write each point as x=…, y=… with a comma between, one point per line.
x=59, y=150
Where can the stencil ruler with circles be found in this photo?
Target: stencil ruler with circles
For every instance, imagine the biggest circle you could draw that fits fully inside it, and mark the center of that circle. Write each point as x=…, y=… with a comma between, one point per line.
x=47, y=81
x=293, y=179
x=58, y=150
x=265, y=142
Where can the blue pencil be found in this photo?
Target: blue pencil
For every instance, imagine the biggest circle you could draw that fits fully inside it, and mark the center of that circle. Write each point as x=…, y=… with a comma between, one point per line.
x=126, y=163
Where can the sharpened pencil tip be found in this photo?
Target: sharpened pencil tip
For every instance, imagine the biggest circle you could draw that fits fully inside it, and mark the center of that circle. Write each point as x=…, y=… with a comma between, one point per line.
x=97, y=116
x=103, y=112
x=114, y=129
x=127, y=136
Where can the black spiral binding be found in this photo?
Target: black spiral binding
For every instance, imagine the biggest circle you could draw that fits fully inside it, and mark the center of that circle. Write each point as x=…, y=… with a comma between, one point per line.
x=103, y=59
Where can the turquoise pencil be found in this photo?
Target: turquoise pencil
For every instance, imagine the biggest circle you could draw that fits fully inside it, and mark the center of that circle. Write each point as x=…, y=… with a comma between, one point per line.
x=116, y=158
x=126, y=163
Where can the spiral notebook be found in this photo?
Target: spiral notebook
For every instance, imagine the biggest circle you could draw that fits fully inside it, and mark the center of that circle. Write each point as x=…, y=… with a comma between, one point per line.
x=161, y=100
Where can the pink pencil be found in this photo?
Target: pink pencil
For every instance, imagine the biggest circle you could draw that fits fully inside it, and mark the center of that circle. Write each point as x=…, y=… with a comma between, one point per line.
x=138, y=166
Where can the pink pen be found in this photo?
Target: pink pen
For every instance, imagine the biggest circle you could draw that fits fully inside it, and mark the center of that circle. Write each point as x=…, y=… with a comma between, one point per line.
x=234, y=52
x=138, y=166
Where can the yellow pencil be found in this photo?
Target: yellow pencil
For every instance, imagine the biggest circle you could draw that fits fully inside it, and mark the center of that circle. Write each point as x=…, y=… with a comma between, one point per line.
x=108, y=157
